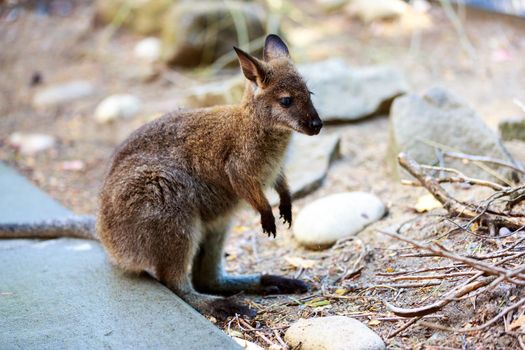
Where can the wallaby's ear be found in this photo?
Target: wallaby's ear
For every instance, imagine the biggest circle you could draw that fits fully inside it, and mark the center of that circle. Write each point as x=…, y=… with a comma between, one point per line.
x=252, y=68
x=274, y=47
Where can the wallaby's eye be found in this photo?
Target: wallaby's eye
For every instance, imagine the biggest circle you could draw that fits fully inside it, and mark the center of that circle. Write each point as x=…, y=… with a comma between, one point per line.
x=285, y=101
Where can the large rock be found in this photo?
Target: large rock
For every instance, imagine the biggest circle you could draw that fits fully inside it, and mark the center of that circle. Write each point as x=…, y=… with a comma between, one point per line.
x=63, y=93
x=419, y=124
x=342, y=93
x=324, y=221
x=199, y=32
x=141, y=16
x=332, y=333
x=306, y=163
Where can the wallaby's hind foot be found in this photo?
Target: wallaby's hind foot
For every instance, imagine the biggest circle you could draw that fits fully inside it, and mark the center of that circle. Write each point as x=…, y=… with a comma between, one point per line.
x=218, y=307
x=222, y=308
x=272, y=284
x=211, y=305
x=249, y=284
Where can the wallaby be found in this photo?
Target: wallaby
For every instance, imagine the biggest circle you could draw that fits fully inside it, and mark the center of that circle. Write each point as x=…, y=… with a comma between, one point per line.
x=173, y=184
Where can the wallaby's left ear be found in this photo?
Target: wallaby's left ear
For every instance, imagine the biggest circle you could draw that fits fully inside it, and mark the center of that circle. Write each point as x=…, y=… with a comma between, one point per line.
x=252, y=68
x=274, y=47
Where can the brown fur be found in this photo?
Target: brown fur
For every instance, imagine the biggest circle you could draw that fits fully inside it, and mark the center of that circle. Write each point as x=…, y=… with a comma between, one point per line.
x=173, y=184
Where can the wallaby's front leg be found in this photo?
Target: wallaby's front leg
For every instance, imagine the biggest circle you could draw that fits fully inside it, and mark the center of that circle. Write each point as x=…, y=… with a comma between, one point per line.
x=285, y=198
x=251, y=191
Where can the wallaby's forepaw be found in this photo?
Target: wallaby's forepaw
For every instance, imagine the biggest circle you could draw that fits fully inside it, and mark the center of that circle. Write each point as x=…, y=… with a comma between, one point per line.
x=268, y=224
x=272, y=284
x=223, y=308
x=286, y=214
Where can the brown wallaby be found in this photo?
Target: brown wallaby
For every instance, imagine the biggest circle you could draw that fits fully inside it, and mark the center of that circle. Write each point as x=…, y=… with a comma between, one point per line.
x=173, y=184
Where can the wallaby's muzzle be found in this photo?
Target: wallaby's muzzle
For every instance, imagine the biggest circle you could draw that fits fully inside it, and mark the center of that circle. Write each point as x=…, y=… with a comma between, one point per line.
x=316, y=125
x=313, y=125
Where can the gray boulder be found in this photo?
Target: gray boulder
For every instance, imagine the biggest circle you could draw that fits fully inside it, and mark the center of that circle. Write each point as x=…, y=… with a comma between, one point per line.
x=342, y=93
x=332, y=333
x=306, y=163
x=440, y=119
x=199, y=32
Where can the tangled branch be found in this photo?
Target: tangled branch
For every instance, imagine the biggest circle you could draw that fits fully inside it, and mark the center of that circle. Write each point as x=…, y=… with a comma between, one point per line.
x=471, y=274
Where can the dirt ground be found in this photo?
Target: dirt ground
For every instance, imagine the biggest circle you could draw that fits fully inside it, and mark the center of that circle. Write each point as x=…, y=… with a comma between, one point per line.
x=489, y=77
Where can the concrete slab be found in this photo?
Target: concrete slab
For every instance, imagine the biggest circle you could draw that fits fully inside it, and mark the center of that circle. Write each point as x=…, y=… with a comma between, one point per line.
x=21, y=201
x=64, y=294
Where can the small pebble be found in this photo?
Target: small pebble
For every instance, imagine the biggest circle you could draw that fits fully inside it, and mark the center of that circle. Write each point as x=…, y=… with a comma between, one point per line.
x=30, y=144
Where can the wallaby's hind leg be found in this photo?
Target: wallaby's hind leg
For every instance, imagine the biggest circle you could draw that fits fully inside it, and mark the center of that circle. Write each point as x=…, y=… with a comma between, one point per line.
x=209, y=277
x=175, y=275
x=218, y=307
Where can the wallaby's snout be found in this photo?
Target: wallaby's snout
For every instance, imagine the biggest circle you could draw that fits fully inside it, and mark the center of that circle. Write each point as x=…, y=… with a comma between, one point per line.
x=314, y=124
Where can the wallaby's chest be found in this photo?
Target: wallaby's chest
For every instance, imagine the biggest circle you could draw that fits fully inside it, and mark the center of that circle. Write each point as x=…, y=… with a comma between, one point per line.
x=267, y=157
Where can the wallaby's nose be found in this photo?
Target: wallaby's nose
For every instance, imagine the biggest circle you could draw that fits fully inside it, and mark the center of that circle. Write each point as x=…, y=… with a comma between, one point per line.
x=316, y=124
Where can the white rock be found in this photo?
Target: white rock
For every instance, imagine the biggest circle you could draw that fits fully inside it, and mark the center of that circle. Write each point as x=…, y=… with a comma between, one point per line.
x=324, y=221
x=148, y=49
x=332, y=333
x=31, y=143
x=63, y=93
x=247, y=344
x=116, y=107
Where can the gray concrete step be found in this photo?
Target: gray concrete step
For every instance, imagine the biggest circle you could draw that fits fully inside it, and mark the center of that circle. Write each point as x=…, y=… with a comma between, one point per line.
x=64, y=294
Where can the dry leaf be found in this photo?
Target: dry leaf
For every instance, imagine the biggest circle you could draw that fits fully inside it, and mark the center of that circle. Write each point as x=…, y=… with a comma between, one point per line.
x=374, y=322
x=317, y=302
x=235, y=333
x=389, y=269
x=426, y=203
x=517, y=323
x=340, y=291
x=298, y=262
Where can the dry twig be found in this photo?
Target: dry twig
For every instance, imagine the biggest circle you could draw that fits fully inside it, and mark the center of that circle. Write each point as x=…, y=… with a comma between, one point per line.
x=452, y=205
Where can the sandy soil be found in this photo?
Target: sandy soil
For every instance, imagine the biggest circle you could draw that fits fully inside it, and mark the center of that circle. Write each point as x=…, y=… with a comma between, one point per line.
x=68, y=48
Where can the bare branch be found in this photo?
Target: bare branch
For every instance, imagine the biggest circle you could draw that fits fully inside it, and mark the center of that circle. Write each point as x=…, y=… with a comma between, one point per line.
x=453, y=206
x=485, y=159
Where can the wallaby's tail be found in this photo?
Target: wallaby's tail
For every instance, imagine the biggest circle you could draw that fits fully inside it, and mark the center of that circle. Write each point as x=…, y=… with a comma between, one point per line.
x=75, y=226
